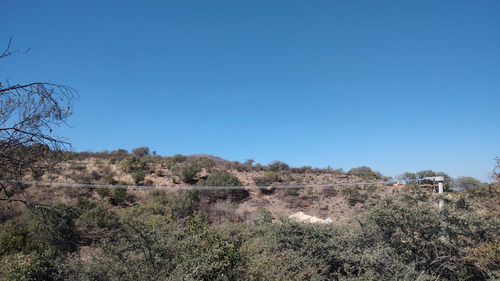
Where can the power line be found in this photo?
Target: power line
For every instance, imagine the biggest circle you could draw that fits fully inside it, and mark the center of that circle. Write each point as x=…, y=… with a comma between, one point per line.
x=189, y=187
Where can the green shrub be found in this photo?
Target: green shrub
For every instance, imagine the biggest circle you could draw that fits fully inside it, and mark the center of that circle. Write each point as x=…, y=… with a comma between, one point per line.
x=141, y=151
x=434, y=243
x=195, y=223
x=132, y=164
x=206, y=163
x=183, y=203
x=302, y=170
x=14, y=238
x=292, y=191
x=226, y=179
x=277, y=166
x=268, y=179
x=109, y=179
x=189, y=173
x=353, y=196
x=371, y=188
x=53, y=227
x=330, y=191
x=261, y=215
x=258, y=167
x=222, y=178
x=83, y=178
x=139, y=250
x=119, y=196
x=95, y=176
x=364, y=172
x=468, y=183
x=261, y=181
x=34, y=266
x=97, y=222
x=103, y=192
x=138, y=176
x=179, y=158
x=214, y=252
x=174, y=168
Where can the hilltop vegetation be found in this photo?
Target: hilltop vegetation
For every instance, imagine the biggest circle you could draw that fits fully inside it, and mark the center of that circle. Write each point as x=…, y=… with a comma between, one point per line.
x=142, y=167
x=384, y=233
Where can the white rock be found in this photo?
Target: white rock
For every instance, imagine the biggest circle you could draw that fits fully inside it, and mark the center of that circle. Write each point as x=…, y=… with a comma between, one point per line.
x=300, y=216
x=328, y=220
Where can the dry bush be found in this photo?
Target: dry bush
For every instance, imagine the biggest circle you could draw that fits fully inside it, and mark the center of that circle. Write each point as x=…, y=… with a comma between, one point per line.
x=329, y=192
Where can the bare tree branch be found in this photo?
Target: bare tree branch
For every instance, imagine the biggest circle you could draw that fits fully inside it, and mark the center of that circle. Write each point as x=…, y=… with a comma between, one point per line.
x=6, y=53
x=28, y=114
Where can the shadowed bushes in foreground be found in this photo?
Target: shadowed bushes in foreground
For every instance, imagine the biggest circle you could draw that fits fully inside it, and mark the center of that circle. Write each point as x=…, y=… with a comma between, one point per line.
x=400, y=238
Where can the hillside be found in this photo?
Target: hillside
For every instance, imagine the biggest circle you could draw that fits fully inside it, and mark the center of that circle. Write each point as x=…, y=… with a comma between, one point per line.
x=378, y=231
x=339, y=203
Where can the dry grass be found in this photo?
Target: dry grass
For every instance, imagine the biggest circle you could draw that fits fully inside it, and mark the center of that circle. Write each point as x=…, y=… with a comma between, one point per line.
x=320, y=202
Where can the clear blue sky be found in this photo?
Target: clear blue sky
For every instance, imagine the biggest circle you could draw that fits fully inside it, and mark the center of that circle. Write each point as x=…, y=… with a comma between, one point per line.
x=394, y=85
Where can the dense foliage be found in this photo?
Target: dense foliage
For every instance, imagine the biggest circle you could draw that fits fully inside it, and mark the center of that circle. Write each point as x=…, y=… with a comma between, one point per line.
x=198, y=234
x=403, y=237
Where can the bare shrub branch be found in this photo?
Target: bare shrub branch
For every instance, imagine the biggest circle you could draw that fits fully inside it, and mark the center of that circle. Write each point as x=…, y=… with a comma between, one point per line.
x=28, y=115
x=7, y=53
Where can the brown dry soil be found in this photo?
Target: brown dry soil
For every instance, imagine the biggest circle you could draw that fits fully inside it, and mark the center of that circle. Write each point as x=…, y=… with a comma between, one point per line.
x=322, y=202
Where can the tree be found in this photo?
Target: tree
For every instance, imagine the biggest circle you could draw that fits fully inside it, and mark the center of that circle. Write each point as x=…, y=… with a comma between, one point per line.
x=426, y=173
x=495, y=175
x=141, y=151
x=277, y=166
x=431, y=173
x=407, y=177
x=28, y=115
x=365, y=173
x=468, y=183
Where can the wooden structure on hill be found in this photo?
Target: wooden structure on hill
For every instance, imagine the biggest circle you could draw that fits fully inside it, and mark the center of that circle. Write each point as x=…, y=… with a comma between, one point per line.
x=431, y=182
